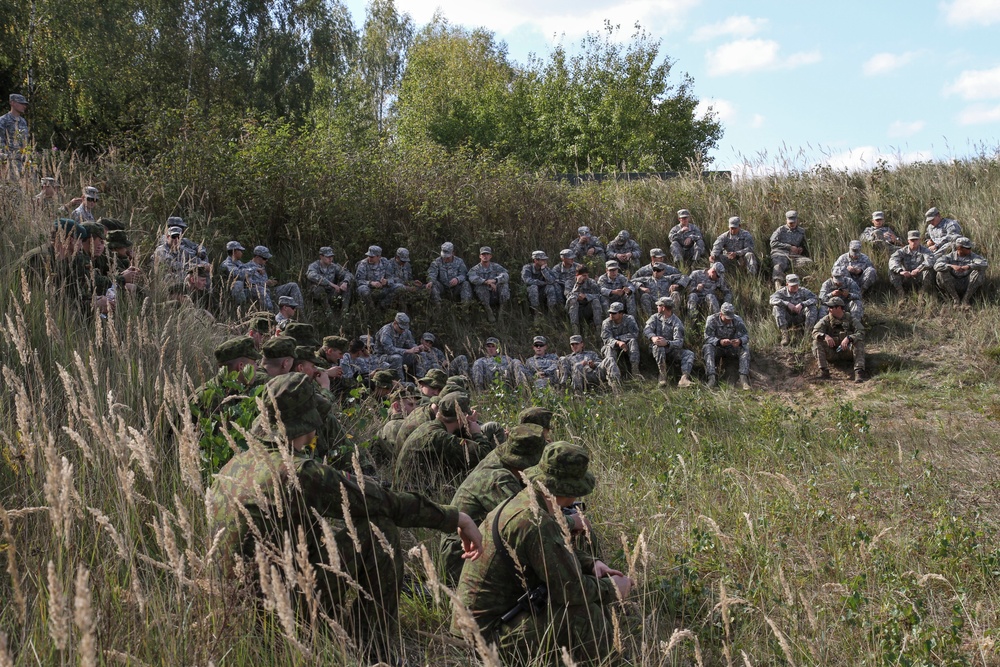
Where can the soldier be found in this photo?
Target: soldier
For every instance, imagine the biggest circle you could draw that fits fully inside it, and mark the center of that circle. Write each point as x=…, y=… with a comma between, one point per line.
x=404, y=401
x=687, y=243
x=360, y=362
x=584, y=297
x=120, y=267
x=625, y=250
x=260, y=328
x=660, y=284
x=447, y=276
x=961, y=272
x=543, y=366
x=859, y=266
x=329, y=281
x=838, y=335
x=286, y=311
x=246, y=494
x=87, y=287
x=260, y=287
x=196, y=286
x=565, y=272
x=47, y=201
x=426, y=410
x=376, y=278
x=620, y=334
x=615, y=288
x=495, y=367
x=52, y=260
x=195, y=253
x=170, y=263
x=880, y=235
x=85, y=211
x=788, y=248
x=14, y=137
x=841, y=284
x=792, y=306
x=665, y=333
x=735, y=246
x=442, y=451
x=235, y=272
x=540, y=281
x=587, y=246
x=705, y=286
x=912, y=266
x=494, y=480
x=941, y=232
x=726, y=335
x=655, y=255
x=402, y=271
x=490, y=282
x=430, y=385
x=585, y=368
x=394, y=342
x=430, y=357
x=526, y=548
x=279, y=355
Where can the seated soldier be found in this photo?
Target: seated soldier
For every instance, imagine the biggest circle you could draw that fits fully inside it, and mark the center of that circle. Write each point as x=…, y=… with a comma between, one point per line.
x=543, y=366
x=541, y=282
x=286, y=312
x=279, y=355
x=584, y=298
x=706, y=287
x=625, y=250
x=394, y=343
x=496, y=367
x=375, y=278
x=961, y=272
x=660, y=284
x=687, y=243
x=490, y=283
x=615, y=288
x=407, y=286
x=620, y=335
x=260, y=286
x=838, y=335
x=881, y=236
x=726, y=335
x=587, y=246
x=260, y=328
x=448, y=276
x=430, y=357
x=735, y=247
x=565, y=272
x=841, y=284
x=792, y=306
x=359, y=362
x=329, y=281
x=859, y=266
x=665, y=333
x=528, y=549
x=941, y=232
x=404, y=401
x=912, y=266
x=234, y=272
x=788, y=248
x=585, y=368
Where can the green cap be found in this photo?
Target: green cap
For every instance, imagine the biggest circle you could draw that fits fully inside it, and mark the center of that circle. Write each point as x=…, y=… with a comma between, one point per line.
x=535, y=415
x=456, y=383
x=384, y=379
x=435, y=378
x=278, y=347
x=405, y=391
x=454, y=403
x=303, y=333
x=291, y=400
x=563, y=470
x=261, y=325
x=93, y=229
x=235, y=348
x=117, y=238
x=111, y=224
x=306, y=353
x=523, y=447
x=336, y=343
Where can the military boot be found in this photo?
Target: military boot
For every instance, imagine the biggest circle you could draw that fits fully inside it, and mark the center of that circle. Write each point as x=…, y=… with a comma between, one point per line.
x=663, y=374
x=712, y=382
x=860, y=375
x=685, y=381
x=490, y=317
x=785, y=338
x=744, y=382
x=900, y=292
x=824, y=373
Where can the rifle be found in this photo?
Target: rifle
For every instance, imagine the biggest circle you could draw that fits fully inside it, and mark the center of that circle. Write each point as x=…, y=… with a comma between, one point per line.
x=535, y=599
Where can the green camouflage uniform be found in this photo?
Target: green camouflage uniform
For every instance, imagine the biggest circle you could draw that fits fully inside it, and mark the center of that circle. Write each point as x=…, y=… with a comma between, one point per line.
x=432, y=458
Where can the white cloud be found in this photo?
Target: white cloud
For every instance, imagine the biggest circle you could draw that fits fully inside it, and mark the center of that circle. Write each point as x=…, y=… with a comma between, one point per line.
x=977, y=84
x=749, y=55
x=736, y=26
x=725, y=110
x=554, y=18
x=757, y=121
x=901, y=128
x=979, y=114
x=866, y=157
x=881, y=63
x=978, y=12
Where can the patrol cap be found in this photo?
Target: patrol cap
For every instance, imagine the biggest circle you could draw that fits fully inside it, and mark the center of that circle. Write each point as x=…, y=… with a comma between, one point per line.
x=719, y=268
x=435, y=378
x=336, y=343
x=302, y=333
x=666, y=302
x=447, y=249
x=855, y=245
x=290, y=399
x=734, y=221
x=575, y=339
x=20, y=99
x=262, y=252
x=616, y=307
x=174, y=231
x=111, y=224
x=374, y=251
x=454, y=405
x=50, y=181
x=287, y=301
x=878, y=215
x=727, y=309
x=931, y=213
x=562, y=469
x=611, y=264
x=791, y=279
x=566, y=252
x=539, y=340
x=913, y=234
x=493, y=340
x=93, y=229
x=835, y=301
x=383, y=379
x=963, y=242
x=657, y=252
x=326, y=251
x=839, y=272
x=486, y=250
x=403, y=255
x=262, y=322
x=427, y=335
x=118, y=239
x=683, y=213
x=175, y=221
x=402, y=320
x=791, y=215
x=523, y=447
x=583, y=231
x=278, y=347
x=90, y=192
x=658, y=266
x=623, y=235
x=234, y=245
x=539, y=254
x=241, y=347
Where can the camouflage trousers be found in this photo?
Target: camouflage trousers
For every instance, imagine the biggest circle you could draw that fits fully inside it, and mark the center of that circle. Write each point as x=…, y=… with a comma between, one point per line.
x=616, y=354
x=536, y=638
x=865, y=279
x=711, y=352
x=581, y=377
x=648, y=302
x=748, y=261
x=381, y=296
x=824, y=353
x=489, y=297
x=461, y=292
x=627, y=300
x=782, y=262
x=326, y=295
x=961, y=287
x=592, y=306
x=690, y=254
x=553, y=295
x=666, y=355
x=923, y=280
x=855, y=306
x=403, y=364
x=787, y=319
x=708, y=299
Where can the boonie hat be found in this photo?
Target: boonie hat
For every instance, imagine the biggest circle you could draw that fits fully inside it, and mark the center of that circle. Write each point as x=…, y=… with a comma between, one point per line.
x=435, y=378
x=278, y=347
x=523, y=447
x=235, y=348
x=562, y=469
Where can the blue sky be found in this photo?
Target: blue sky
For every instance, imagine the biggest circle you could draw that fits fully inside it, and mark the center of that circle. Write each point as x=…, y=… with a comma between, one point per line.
x=800, y=83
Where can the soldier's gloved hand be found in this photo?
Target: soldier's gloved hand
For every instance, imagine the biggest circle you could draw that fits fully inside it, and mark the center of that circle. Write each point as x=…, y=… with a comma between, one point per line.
x=472, y=539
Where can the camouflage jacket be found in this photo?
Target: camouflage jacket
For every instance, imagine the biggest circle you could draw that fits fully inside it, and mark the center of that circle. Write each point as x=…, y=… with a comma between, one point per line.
x=444, y=272
x=905, y=259
x=846, y=261
x=324, y=276
x=972, y=260
x=616, y=247
x=658, y=288
x=547, y=365
x=884, y=233
x=363, y=366
x=945, y=232
x=569, y=361
x=366, y=272
x=581, y=248
x=741, y=243
x=80, y=214
x=479, y=274
x=588, y=287
x=784, y=297
x=389, y=341
x=487, y=369
x=848, y=290
x=681, y=234
x=670, y=328
x=532, y=275
x=627, y=329
x=13, y=133
x=432, y=457
x=716, y=330
x=234, y=271
x=607, y=284
x=838, y=329
x=784, y=237
x=565, y=275
x=402, y=272
x=420, y=415
x=700, y=278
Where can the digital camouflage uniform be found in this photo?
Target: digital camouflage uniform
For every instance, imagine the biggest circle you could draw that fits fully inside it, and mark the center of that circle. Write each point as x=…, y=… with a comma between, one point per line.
x=943, y=235
x=478, y=275
x=441, y=273
x=171, y=265
x=782, y=240
x=680, y=250
x=582, y=248
x=14, y=137
x=565, y=275
x=846, y=289
x=715, y=330
x=960, y=286
x=543, y=370
x=651, y=288
x=847, y=326
x=258, y=291
x=321, y=280
x=487, y=370
x=703, y=289
x=608, y=284
x=622, y=244
x=784, y=317
x=860, y=266
x=591, y=293
x=742, y=244
x=671, y=328
x=366, y=272
x=587, y=368
x=392, y=346
x=628, y=331
x=905, y=259
x=234, y=275
x=882, y=238
x=541, y=282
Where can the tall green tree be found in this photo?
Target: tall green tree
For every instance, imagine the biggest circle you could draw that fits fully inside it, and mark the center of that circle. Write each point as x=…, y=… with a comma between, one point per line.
x=385, y=40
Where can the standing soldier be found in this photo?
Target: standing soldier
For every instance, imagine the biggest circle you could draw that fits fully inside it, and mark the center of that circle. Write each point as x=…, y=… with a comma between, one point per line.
x=912, y=266
x=705, y=286
x=620, y=334
x=540, y=280
x=793, y=305
x=615, y=288
x=490, y=282
x=687, y=243
x=880, y=235
x=585, y=368
x=735, y=246
x=376, y=278
x=329, y=280
x=726, y=335
x=665, y=333
x=447, y=276
x=788, y=248
x=586, y=246
x=961, y=272
x=837, y=335
x=859, y=266
x=625, y=250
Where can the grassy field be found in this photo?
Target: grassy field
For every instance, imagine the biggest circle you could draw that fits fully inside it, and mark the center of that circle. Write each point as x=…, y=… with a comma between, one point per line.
x=801, y=523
